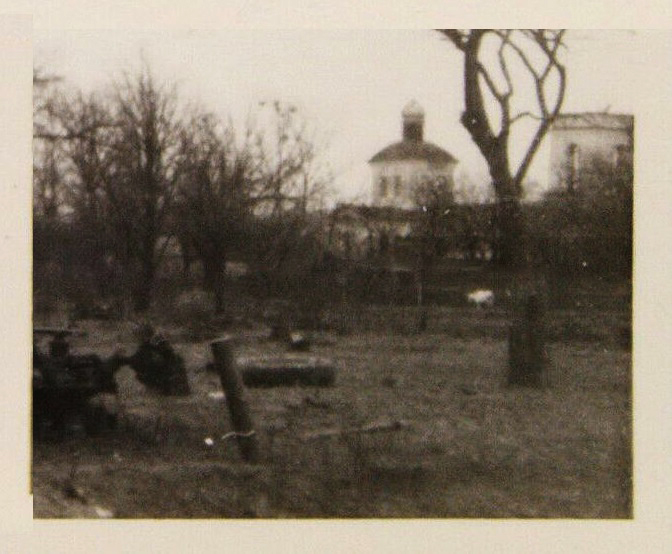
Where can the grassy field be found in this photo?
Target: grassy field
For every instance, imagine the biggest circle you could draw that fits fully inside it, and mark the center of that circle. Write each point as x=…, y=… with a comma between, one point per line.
x=468, y=445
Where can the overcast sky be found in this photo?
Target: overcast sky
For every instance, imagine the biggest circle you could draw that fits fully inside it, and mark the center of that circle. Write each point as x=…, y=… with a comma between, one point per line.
x=351, y=85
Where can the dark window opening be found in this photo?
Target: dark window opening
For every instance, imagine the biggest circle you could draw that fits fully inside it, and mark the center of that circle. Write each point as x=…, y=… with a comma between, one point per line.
x=573, y=162
x=383, y=187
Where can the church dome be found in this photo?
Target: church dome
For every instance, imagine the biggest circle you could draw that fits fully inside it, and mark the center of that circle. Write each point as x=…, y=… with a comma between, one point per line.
x=413, y=150
x=413, y=146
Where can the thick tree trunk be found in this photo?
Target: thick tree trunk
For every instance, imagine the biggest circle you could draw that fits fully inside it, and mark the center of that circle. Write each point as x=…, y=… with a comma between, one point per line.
x=510, y=247
x=143, y=291
x=215, y=277
x=219, y=289
x=527, y=349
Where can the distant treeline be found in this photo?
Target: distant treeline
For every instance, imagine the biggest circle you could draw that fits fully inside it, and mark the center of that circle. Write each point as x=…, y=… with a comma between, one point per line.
x=139, y=195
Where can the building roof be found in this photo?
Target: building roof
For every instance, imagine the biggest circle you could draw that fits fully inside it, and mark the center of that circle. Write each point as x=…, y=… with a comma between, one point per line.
x=413, y=150
x=594, y=121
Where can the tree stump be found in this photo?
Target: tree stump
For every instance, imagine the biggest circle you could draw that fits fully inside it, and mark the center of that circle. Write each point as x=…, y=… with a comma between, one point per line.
x=527, y=345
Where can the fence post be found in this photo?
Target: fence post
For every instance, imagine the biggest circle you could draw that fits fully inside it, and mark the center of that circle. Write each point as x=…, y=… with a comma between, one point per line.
x=225, y=362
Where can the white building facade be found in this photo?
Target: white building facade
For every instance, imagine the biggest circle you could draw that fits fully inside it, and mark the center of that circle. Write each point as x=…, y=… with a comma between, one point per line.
x=577, y=139
x=398, y=169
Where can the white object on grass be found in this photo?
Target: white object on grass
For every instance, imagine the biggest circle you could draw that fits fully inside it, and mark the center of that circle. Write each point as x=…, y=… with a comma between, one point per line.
x=481, y=297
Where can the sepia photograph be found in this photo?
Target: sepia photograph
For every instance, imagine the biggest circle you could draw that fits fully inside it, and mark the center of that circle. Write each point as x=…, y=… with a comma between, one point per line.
x=334, y=274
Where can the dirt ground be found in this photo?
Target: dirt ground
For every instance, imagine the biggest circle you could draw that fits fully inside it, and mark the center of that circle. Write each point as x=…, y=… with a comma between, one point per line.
x=466, y=445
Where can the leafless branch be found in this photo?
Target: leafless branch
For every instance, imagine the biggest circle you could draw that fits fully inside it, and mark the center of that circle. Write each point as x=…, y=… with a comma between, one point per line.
x=523, y=115
x=457, y=37
x=503, y=65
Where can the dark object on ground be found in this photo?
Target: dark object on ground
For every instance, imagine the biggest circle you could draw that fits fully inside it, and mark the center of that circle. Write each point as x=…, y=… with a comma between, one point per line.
x=390, y=382
x=158, y=366
x=298, y=342
x=66, y=385
x=288, y=370
x=225, y=362
x=527, y=349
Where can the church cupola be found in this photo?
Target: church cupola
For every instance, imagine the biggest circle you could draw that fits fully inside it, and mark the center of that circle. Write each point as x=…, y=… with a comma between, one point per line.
x=413, y=117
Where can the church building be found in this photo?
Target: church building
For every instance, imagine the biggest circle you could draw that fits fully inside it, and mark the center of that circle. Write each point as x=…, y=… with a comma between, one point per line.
x=399, y=168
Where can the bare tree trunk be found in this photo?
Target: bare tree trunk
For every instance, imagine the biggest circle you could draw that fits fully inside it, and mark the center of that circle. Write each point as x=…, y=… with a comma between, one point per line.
x=215, y=280
x=527, y=349
x=527, y=338
x=510, y=247
x=527, y=357
x=145, y=286
x=491, y=135
x=219, y=286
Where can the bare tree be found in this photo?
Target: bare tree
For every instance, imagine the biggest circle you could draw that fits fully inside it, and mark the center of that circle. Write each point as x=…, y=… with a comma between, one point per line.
x=48, y=188
x=498, y=65
x=58, y=253
x=87, y=131
x=44, y=91
x=214, y=203
x=289, y=182
x=142, y=188
x=288, y=175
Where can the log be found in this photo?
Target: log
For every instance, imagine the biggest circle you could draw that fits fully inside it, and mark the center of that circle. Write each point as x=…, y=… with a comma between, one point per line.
x=225, y=363
x=288, y=370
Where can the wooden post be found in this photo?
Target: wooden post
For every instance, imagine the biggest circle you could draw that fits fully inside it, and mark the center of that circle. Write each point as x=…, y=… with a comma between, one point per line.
x=527, y=351
x=225, y=362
